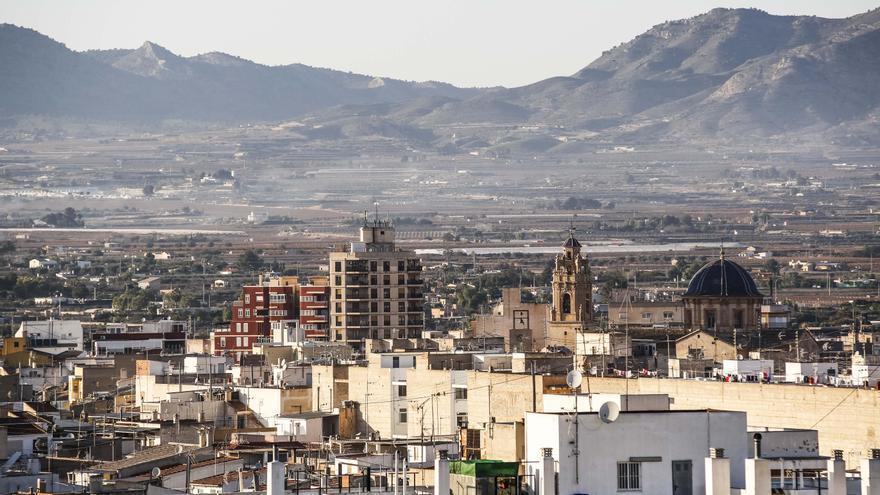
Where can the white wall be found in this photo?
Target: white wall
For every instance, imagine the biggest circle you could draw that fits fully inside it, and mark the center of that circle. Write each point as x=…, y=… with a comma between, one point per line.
x=797, y=372
x=586, y=403
x=671, y=436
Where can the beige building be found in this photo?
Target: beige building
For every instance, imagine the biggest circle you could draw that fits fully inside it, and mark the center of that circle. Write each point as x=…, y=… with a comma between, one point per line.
x=520, y=324
x=700, y=345
x=399, y=395
x=375, y=289
x=646, y=315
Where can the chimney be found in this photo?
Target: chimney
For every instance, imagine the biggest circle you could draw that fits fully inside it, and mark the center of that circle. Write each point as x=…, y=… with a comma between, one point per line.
x=548, y=472
x=757, y=439
x=717, y=473
x=837, y=474
x=441, y=473
x=757, y=476
x=275, y=478
x=870, y=469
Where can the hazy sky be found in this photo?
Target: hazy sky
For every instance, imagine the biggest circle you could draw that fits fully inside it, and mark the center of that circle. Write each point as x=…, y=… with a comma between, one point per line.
x=465, y=42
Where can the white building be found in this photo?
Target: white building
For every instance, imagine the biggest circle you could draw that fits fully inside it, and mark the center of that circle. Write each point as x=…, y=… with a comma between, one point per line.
x=53, y=333
x=817, y=372
x=36, y=264
x=748, y=370
x=644, y=451
x=312, y=426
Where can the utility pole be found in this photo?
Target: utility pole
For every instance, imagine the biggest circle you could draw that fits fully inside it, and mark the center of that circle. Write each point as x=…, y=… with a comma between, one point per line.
x=534, y=390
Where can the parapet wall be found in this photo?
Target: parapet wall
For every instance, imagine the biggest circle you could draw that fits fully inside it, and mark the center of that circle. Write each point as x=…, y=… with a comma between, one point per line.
x=847, y=419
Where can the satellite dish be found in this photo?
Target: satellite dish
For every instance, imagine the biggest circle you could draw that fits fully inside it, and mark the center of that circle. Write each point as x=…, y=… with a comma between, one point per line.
x=156, y=472
x=574, y=379
x=609, y=412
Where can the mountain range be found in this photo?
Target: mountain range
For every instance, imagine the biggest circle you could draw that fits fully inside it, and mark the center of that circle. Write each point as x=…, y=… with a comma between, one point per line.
x=728, y=75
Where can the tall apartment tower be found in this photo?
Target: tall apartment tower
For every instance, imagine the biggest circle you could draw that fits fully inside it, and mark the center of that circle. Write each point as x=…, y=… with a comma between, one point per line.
x=375, y=289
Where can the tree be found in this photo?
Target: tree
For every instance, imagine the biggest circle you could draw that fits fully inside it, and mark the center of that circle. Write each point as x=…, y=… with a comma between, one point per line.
x=249, y=260
x=67, y=218
x=132, y=300
x=176, y=299
x=772, y=266
x=149, y=190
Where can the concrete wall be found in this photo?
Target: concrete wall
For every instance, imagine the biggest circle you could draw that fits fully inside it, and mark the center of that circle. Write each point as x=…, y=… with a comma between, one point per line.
x=269, y=403
x=666, y=436
x=505, y=396
x=847, y=419
x=329, y=386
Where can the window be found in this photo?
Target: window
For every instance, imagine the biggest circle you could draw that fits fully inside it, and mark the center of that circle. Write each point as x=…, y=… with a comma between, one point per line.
x=247, y=298
x=629, y=476
x=460, y=393
x=386, y=280
x=401, y=266
x=373, y=266
x=240, y=312
x=337, y=267
x=386, y=307
x=401, y=390
x=668, y=315
x=277, y=298
x=386, y=266
x=709, y=318
x=244, y=327
x=738, y=318
x=222, y=341
x=238, y=327
x=647, y=316
x=401, y=415
x=395, y=362
x=247, y=313
x=386, y=293
x=338, y=280
x=401, y=307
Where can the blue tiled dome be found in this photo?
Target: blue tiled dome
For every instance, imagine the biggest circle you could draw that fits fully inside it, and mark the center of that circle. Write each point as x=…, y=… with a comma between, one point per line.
x=722, y=278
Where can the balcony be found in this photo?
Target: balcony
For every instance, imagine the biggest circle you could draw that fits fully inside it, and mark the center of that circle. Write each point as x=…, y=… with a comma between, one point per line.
x=414, y=281
x=356, y=267
x=355, y=294
x=357, y=308
x=356, y=281
x=357, y=322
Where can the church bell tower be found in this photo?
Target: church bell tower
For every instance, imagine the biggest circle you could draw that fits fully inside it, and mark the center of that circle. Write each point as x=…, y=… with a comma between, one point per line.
x=571, y=285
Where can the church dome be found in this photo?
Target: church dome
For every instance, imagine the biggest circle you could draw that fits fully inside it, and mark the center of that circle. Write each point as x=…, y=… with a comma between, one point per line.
x=571, y=242
x=722, y=278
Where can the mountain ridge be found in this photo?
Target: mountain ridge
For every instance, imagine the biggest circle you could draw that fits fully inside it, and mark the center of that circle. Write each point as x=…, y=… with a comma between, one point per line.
x=727, y=75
